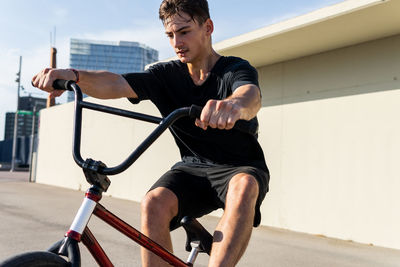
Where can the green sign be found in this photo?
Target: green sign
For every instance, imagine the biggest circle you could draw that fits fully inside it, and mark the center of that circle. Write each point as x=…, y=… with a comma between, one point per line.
x=26, y=112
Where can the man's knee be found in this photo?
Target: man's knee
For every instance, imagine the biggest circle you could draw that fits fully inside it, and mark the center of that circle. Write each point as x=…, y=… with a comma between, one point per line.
x=159, y=203
x=243, y=188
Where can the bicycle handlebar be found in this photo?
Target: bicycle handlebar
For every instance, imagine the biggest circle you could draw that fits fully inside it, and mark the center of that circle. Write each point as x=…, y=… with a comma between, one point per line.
x=193, y=112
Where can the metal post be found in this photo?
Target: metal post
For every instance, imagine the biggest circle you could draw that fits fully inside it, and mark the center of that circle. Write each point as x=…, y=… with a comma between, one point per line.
x=32, y=144
x=14, y=147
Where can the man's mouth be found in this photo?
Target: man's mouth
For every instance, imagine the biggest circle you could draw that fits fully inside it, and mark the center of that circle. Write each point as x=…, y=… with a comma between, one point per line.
x=181, y=52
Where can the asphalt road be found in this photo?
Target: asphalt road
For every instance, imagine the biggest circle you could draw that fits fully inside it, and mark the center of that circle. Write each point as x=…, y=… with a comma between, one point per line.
x=33, y=216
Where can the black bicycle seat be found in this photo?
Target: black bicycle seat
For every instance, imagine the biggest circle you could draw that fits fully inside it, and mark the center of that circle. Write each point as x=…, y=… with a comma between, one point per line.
x=196, y=232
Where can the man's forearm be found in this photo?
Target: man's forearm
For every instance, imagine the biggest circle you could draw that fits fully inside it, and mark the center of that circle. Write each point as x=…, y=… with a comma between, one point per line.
x=99, y=84
x=248, y=97
x=104, y=85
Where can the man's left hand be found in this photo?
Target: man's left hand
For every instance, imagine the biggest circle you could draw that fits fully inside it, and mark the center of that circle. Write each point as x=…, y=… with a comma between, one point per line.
x=221, y=114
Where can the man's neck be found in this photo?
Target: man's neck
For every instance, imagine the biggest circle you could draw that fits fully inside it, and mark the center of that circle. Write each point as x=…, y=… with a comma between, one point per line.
x=199, y=70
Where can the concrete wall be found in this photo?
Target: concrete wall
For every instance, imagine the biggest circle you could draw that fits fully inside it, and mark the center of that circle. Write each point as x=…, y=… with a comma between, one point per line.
x=329, y=129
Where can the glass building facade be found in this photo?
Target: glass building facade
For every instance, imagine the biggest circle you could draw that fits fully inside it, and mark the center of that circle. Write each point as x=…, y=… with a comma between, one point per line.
x=118, y=57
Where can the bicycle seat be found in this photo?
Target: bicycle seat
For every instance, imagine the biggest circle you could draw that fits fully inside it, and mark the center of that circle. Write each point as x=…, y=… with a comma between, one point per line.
x=196, y=233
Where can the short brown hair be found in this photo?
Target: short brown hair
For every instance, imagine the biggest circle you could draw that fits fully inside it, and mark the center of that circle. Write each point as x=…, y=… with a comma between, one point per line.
x=196, y=9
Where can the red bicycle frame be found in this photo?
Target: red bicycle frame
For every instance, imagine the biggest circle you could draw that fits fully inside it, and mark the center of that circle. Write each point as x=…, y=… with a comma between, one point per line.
x=105, y=215
x=98, y=253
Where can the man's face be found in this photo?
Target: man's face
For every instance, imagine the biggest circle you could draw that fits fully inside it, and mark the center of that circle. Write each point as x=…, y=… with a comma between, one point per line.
x=188, y=39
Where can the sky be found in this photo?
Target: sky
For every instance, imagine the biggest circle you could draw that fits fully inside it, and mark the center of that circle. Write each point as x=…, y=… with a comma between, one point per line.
x=29, y=28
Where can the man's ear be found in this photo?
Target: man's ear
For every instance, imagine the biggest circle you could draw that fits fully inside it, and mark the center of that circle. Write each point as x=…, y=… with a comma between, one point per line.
x=209, y=26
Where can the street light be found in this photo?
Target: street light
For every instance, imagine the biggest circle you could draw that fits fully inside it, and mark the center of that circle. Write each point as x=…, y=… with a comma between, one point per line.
x=14, y=147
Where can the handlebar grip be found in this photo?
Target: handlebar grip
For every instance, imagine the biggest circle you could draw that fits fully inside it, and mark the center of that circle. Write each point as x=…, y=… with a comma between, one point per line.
x=60, y=84
x=195, y=112
x=240, y=125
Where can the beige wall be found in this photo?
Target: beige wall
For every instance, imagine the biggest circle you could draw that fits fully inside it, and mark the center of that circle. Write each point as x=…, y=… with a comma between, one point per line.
x=329, y=128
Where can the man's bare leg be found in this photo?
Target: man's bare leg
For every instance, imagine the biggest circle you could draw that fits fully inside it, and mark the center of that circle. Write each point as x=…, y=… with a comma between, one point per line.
x=233, y=232
x=159, y=206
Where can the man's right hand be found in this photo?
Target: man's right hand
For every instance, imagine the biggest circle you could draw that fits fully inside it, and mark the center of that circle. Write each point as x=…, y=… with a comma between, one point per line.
x=44, y=79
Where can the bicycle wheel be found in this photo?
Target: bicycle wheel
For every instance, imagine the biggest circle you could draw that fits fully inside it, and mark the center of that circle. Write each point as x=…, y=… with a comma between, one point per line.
x=35, y=259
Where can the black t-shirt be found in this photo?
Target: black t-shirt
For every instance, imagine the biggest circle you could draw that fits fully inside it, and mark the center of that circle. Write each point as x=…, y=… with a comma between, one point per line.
x=169, y=86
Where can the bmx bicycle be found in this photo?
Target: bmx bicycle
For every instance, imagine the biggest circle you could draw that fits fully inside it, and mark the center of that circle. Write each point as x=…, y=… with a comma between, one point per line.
x=66, y=251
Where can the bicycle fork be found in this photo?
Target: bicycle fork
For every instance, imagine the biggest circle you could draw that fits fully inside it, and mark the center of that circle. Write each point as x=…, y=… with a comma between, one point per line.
x=79, y=231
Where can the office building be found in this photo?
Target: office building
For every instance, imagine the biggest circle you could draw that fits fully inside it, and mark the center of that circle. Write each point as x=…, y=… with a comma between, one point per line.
x=25, y=117
x=28, y=108
x=118, y=57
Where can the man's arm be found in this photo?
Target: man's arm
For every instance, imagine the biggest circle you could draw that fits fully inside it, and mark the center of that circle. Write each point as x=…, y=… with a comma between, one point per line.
x=99, y=84
x=243, y=104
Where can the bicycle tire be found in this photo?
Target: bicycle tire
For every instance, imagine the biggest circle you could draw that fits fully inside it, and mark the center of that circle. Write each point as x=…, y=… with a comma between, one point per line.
x=35, y=259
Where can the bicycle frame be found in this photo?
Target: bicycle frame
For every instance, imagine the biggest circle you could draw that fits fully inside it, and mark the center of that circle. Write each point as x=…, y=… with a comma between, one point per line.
x=91, y=206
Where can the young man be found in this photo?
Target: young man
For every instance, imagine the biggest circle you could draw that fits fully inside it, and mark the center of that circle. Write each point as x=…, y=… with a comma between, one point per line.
x=220, y=167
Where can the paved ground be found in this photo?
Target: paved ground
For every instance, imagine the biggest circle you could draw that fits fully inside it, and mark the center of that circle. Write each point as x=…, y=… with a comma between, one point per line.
x=33, y=216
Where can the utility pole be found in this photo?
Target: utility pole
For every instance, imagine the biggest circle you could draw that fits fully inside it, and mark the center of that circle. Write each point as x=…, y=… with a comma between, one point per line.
x=14, y=147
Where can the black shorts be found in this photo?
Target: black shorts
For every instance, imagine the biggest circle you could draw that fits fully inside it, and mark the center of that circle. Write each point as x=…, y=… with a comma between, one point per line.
x=202, y=187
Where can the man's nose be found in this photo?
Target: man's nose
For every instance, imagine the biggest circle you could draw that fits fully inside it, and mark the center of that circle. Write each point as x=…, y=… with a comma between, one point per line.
x=176, y=42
